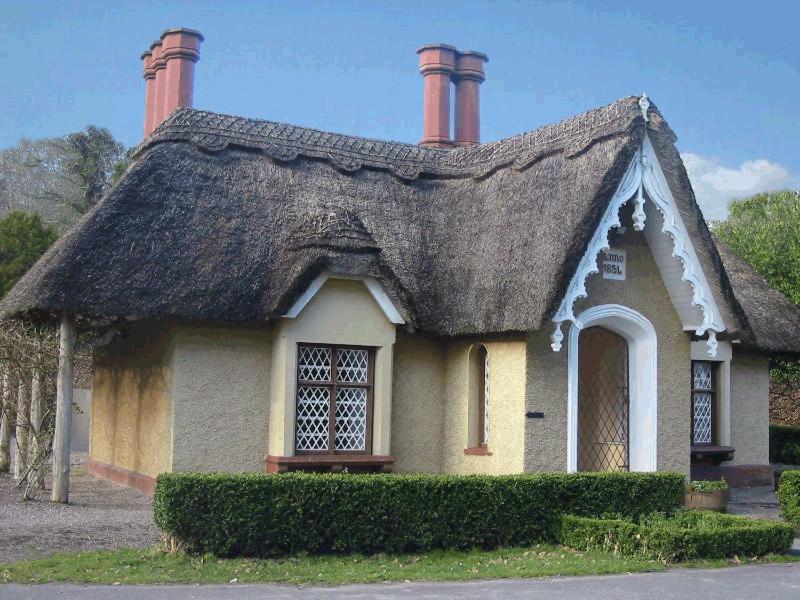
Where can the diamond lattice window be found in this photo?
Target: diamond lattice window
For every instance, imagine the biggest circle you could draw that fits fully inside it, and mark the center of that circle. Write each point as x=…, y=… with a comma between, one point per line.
x=334, y=399
x=703, y=399
x=603, y=401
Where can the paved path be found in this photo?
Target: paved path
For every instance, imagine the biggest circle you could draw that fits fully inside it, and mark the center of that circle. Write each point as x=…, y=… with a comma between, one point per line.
x=758, y=502
x=762, y=582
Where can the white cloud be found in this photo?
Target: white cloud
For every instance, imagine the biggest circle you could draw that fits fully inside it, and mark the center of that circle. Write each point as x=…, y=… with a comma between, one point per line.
x=715, y=185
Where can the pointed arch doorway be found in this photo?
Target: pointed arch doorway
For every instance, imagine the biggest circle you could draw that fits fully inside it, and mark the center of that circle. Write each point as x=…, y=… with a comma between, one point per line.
x=639, y=337
x=603, y=401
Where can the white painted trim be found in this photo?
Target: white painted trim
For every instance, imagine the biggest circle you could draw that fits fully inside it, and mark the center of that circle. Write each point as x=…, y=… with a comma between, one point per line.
x=643, y=382
x=372, y=285
x=644, y=173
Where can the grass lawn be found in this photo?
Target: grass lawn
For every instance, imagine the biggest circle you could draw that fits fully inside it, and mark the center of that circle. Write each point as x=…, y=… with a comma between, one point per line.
x=155, y=566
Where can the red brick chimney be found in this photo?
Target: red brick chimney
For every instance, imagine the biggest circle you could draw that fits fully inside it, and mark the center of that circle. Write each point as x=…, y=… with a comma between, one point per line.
x=149, y=75
x=436, y=63
x=169, y=74
x=158, y=67
x=469, y=75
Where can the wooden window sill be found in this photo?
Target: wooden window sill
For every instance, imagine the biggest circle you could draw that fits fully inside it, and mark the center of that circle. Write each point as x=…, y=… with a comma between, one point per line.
x=329, y=462
x=479, y=451
x=714, y=453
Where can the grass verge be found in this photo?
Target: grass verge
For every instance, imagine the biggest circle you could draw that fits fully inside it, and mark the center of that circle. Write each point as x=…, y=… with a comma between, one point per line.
x=155, y=566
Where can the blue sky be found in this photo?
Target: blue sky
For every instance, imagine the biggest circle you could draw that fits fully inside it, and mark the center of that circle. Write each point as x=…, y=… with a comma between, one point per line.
x=725, y=74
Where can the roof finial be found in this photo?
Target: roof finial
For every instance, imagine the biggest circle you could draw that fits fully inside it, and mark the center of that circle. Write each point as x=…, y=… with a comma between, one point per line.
x=644, y=104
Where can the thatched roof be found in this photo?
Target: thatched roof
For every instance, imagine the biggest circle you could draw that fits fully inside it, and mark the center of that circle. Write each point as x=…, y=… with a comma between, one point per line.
x=226, y=218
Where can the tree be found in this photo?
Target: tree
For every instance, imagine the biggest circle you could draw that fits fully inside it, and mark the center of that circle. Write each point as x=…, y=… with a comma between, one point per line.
x=765, y=231
x=24, y=238
x=61, y=178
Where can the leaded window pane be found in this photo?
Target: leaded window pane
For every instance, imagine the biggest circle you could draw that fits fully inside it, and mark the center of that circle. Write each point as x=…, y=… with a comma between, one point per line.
x=334, y=392
x=313, y=407
x=702, y=376
x=351, y=418
x=702, y=418
x=314, y=363
x=352, y=365
x=486, y=399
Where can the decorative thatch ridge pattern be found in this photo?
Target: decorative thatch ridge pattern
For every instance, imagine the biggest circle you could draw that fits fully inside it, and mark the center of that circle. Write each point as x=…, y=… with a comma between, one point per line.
x=214, y=132
x=229, y=219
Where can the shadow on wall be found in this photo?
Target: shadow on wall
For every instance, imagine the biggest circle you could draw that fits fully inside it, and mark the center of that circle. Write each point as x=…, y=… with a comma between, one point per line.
x=81, y=417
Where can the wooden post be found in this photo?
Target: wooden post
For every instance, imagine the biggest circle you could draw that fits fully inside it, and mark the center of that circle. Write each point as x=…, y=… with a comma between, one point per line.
x=5, y=423
x=64, y=385
x=23, y=422
x=37, y=443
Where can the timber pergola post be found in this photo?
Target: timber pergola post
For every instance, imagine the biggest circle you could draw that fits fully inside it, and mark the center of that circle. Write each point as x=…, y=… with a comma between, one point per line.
x=64, y=387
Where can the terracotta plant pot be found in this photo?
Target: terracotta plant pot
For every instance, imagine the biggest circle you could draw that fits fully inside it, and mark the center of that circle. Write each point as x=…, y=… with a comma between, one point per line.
x=716, y=500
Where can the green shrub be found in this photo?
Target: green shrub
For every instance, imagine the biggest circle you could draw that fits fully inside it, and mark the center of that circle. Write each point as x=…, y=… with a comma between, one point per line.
x=688, y=535
x=789, y=496
x=784, y=444
x=709, y=486
x=269, y=515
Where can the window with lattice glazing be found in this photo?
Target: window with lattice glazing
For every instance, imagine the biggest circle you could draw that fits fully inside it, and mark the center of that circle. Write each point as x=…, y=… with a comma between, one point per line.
x=334, y=399
x=704, y=394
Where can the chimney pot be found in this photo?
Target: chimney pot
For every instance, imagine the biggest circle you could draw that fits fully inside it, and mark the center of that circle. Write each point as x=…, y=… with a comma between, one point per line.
x=180, y=50
x=436, y=64
x=158, y=67
x=149, y=75
x=468, y=76
x=169, y=74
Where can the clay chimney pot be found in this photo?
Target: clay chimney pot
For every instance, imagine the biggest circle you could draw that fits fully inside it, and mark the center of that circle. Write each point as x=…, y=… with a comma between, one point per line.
x=468, y=76
x=180, y=50
x=436, y=63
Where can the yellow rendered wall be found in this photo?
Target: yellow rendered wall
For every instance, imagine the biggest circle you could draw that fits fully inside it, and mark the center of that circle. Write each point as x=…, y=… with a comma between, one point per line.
x=506, y=408
x=131, y=420
x=418, y=404
x=220, y=391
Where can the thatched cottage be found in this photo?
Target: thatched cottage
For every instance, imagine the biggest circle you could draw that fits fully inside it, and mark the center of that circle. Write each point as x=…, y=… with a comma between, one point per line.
x=280, y=298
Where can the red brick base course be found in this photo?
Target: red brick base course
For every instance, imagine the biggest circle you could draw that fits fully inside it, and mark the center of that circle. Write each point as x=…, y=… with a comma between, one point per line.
x=131, y=479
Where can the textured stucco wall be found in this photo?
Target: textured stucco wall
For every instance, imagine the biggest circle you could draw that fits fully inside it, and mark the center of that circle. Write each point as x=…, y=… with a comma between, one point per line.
x=417, y=404
x=750, y=409
x=131, y=417
x=546, y=391
x=644, y=291
x=221, y=378
x=506, y=408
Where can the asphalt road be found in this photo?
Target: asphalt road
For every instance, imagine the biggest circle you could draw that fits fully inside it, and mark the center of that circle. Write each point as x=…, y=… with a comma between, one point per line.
x=762, y=582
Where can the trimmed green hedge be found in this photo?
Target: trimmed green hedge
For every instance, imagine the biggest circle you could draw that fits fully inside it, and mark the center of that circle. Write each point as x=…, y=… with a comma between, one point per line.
x=693, y=534
x=789, y=496
x=273, y=515
x=784, y=444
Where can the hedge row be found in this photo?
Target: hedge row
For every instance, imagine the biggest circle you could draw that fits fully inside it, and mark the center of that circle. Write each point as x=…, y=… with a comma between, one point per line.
x=784, y=444
x=268, y=515
x=789, y=496
x=696, y=534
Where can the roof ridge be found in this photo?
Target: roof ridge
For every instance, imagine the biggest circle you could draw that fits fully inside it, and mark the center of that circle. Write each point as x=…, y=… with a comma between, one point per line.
x=284, y=142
